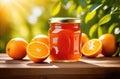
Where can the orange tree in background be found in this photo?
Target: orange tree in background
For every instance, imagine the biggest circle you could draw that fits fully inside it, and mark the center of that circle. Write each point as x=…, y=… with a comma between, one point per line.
x=98, y=17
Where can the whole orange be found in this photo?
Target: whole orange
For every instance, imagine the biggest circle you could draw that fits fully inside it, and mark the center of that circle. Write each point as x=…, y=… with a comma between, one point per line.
x=41, y=38
x=16, y=48
x=84, y=38
x=108, y=44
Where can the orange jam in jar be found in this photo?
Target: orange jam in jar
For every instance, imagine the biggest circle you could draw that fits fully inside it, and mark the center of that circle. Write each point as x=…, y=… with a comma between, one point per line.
x=65, y=39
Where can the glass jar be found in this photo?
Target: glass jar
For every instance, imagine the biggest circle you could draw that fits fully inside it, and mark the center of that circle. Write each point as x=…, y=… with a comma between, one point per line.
x=65, y=39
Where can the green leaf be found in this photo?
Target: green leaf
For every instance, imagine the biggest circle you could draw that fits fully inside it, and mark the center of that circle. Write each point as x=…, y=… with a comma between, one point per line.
x=88, y=1
x=105, y=19
x=90, y=16
x=95, y=7
x=79, y=10
x=64, y=1
x=100, y=32
x=93, y=30
x=83, y=3
x=72, y=8
x=111, y=28
x=55, y=8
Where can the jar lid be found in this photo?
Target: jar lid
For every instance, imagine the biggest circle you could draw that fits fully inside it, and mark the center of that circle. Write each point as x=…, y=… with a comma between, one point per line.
x=64, y=20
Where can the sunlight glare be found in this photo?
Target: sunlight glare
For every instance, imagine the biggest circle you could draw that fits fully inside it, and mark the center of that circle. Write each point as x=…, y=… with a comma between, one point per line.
x=117, y=31
x=5, y=2
x=32, y=19
x=37, y=11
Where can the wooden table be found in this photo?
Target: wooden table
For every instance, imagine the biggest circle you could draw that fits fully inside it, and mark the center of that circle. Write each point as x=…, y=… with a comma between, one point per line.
x=86, y=68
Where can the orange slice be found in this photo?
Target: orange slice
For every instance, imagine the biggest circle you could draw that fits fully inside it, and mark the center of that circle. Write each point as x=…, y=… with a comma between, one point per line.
x=37, y=51
x=92, y=48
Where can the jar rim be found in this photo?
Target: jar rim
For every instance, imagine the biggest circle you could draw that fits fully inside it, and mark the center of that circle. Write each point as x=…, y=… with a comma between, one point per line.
x=64, y=20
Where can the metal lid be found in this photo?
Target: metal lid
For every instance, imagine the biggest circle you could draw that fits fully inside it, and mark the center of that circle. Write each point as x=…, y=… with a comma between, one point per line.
x=64, y=20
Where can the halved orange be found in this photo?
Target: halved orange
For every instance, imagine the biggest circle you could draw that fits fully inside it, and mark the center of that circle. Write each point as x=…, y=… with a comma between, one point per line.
x=37, y=51
x=92, y=48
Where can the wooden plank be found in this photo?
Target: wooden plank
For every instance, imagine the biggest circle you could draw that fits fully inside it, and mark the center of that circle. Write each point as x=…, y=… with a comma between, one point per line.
x=87, y=68
x=7, y=62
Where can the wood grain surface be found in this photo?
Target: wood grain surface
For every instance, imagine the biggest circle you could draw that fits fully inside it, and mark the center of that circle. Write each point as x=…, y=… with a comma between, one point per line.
x=86, y=68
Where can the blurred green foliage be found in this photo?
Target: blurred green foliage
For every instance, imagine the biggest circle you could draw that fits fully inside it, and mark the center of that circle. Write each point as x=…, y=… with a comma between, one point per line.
x=31, y=18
